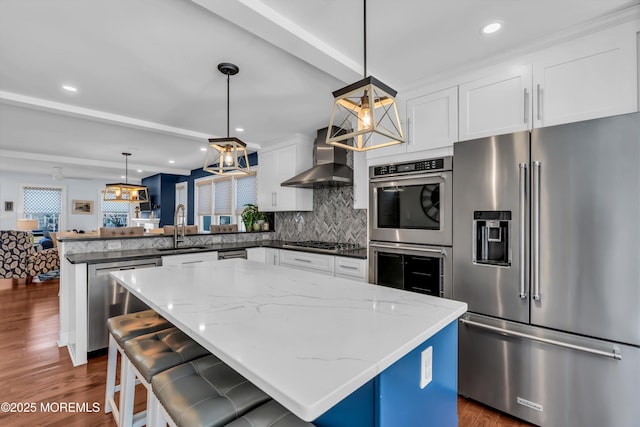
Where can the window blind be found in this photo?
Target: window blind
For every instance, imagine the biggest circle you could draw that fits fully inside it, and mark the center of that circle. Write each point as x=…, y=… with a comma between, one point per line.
x=204, y=197
x=115, y=207
x=245, y=192
x=222, y=202
x=42, y=200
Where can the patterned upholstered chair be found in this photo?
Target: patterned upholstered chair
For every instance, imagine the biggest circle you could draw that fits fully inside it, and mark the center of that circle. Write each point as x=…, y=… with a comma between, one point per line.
x=19, y=259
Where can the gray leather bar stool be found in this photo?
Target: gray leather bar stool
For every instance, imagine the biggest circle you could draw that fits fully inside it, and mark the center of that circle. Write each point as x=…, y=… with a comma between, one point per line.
x=204, y=392
x=146, y=356
x=121, y=329
x=270, y=414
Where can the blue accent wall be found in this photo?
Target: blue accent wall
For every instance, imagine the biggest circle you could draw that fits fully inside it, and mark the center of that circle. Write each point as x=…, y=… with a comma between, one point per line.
x=162, y=188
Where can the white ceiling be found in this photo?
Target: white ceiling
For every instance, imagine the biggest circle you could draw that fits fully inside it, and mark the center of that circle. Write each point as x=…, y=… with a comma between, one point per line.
x=146, y=70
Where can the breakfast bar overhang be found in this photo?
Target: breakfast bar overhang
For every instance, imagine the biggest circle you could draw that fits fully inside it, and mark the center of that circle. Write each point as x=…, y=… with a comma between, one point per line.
x=333, y=351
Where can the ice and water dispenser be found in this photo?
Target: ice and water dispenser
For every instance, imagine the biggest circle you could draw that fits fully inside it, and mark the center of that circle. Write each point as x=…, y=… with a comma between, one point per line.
x=492, y=233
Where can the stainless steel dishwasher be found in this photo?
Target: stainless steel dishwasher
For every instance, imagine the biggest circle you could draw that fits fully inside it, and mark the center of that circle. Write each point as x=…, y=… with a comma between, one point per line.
x=107, y=298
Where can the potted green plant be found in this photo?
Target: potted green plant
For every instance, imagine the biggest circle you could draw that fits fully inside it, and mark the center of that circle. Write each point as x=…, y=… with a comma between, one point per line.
x=250, y=216
x=261, y=217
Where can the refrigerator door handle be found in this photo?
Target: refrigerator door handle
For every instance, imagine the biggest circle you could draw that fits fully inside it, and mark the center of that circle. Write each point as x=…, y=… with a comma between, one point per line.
x=614, y=353
x=535, y=232
x=522, y=205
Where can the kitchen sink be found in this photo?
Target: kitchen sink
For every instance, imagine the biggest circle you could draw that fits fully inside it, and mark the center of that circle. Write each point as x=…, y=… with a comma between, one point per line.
x=183, y=248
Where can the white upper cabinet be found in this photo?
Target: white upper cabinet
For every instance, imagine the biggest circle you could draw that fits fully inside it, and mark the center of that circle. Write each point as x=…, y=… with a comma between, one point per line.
x=580, y=81
x=278, y=165
x=496, y=104
x=586, y=78
x=432, y=120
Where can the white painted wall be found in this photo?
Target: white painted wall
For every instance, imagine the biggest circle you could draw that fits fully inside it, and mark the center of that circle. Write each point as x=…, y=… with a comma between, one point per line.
x=75, y=189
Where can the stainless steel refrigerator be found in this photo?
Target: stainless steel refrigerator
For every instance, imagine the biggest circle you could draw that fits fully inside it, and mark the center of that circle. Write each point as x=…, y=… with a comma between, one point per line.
x=546, y=246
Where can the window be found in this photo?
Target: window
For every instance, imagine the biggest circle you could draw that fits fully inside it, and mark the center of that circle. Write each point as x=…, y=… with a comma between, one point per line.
x=245, y=194
x=44, y=204
x=221, y=201
x=114, y=214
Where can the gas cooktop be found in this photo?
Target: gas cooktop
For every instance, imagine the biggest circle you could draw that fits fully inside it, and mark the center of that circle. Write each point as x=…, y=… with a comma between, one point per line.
x=332, y=247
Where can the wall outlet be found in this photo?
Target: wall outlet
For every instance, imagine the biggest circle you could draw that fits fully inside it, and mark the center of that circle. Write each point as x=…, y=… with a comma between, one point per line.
x=116, y=244
x=426, y=368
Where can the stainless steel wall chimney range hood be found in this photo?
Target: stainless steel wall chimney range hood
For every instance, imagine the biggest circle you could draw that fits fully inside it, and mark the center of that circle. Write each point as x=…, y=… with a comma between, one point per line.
x=329, y=166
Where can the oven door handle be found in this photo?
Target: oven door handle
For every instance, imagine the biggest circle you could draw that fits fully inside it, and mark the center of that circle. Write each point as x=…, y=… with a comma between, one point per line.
x=412, y=248
x=406, y=177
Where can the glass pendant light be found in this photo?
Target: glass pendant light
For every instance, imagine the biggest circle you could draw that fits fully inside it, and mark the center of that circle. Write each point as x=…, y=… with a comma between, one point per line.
x=367, y=110
x=227, y=156
x=125, y=192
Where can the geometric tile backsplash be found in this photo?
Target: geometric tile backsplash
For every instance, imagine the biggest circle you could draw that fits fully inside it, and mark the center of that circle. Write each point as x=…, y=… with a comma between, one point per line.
x=333, y=219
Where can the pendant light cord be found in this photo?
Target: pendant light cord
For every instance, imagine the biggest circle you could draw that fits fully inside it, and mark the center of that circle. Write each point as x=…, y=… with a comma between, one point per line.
x=227, y=105
x=126, y=169
x=365, y=37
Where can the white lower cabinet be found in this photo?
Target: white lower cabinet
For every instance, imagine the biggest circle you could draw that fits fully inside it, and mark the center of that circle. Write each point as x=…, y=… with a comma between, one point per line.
x=182, y=259
x=272, y=256
x=345, y=267
x=351, y=268
x=317, y=263
x=267, y=256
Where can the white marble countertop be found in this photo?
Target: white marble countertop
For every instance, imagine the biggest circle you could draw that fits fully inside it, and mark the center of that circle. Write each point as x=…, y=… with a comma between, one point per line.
x=306, y=339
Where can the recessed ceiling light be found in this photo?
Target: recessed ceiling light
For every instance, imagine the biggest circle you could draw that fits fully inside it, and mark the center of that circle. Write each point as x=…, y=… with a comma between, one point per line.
x=122, y=177
x=69, y=88
x=239, y=129
x=491, y=28
x=139, y=170
x=203, y=148
x=172, y=161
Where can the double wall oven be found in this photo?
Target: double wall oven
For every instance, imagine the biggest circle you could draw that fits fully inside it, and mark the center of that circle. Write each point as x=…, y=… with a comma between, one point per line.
x=410, y=226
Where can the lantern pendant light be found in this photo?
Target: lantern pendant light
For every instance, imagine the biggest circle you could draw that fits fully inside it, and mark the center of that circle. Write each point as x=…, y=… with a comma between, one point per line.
x=125, y=192
x=367, y=110
x=227, y=156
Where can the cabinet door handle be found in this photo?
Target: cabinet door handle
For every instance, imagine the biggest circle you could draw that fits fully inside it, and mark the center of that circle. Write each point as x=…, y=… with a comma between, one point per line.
x=348, y=267
x=302, y=260
x=274, y=198
x=409, y=130
x=526, y=107
x=539, y=95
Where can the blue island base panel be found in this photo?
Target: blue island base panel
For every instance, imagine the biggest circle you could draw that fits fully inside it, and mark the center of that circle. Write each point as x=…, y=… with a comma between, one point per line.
x=395, y=399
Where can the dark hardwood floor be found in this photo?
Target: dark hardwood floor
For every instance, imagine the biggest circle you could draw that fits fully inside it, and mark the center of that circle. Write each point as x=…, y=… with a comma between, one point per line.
x=37, y=377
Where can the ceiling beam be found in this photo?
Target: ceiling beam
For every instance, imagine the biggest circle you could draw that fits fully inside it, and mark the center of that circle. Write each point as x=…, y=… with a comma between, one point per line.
x=101, y=116
x=257, y=18
x=64, y=160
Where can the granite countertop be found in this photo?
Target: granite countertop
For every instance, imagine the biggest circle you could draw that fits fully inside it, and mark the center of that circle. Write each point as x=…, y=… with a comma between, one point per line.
x=92, y=236
x=306, y=339
x=128, y=255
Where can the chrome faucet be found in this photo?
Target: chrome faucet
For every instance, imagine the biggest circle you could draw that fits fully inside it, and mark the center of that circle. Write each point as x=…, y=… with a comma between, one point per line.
x=183, y=227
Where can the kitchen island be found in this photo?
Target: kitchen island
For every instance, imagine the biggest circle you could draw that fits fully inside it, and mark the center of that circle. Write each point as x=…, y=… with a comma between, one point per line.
x=333, y=351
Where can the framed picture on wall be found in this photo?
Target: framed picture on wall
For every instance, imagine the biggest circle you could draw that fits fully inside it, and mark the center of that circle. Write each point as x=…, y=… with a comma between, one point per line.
x=8, y=206
x=81, y=207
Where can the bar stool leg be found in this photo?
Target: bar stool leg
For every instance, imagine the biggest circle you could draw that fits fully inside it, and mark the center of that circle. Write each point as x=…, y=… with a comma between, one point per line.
x=112, y=362
x=127, y=393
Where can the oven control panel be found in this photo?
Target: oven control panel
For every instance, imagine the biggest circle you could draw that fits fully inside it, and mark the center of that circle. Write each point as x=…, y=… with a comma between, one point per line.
x=421, y=166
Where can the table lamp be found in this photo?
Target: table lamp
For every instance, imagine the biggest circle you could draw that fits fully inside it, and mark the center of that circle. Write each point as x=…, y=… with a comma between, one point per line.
x=27, y=224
